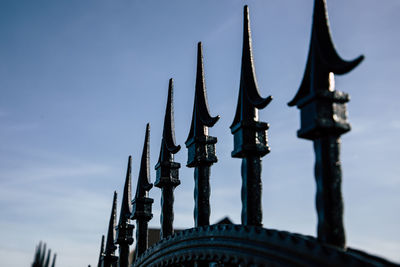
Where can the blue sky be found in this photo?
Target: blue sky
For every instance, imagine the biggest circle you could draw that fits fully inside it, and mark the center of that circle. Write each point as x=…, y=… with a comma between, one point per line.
x=79, y=80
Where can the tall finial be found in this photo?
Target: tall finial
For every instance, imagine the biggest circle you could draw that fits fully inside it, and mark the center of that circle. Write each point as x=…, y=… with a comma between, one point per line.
x=141, y=204
x=324, y=120
x=201, y=118
x=322, y=58
x=124, y=229
x=109, y=258
x=99, y=264
x=144, y=184
x=250, y=135
x=167, y=170
x=201, y=146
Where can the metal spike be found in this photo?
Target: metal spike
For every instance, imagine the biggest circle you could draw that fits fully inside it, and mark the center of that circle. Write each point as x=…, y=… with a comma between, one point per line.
x=124, y=230
x=42, y=254
x=201, y=146
x=250, y=134
x=144, y=184
x=322, y=57
x=201, y=118
x=249, y=100
x=54, y=260
x=101, y=252
x=126, y=206
x=46, y=264
x=324, y=120
x=168, y=170
x=142, y=204
x=109, y=258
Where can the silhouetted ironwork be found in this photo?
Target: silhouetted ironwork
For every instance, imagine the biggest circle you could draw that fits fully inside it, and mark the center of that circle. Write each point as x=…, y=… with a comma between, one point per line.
x=141, y=204
x=201, y=146
x=101, y=252
x=109, y=259
x=168, y=170
x=43, y=256
x=250, y=135
x=124, y=229
x=323, y=120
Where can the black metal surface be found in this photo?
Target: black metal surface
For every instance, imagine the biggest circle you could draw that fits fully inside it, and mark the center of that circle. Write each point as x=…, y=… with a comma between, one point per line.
x=109, y=259
x=201, y=146
x=238, y=245
x=250, y=135
x=43, y=256
x=142, y=204
x=168, y=170
x=101, y=251
x=124, y=229
x=323, y=120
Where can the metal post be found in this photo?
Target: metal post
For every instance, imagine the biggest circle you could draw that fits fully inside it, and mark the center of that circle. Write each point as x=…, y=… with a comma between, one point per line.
x=168, y=170
x=201, y=146
x=250, y=135
x=324, y=120
x=141, y=204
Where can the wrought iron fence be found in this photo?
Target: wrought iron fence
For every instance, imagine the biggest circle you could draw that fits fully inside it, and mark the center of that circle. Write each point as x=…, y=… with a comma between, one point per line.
x=323, y=120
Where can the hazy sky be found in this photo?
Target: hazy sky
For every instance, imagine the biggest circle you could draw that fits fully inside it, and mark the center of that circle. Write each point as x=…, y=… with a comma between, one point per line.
x=79, y=80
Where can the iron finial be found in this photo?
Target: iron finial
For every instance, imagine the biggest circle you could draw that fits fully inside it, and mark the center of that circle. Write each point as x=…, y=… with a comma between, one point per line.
x=322, y=57
x=101, y=251
x=324, y=120
x=201, y=146
x=109, y=258
x=201, y=118
x=144, y=185
x=126, y=206
x=142, y=204
x=168, y=170
x=124, y=230
x=250, y=133
x=165, y=166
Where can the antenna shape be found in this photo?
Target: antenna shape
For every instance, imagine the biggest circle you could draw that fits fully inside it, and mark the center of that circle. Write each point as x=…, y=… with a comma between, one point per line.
x=322, y=57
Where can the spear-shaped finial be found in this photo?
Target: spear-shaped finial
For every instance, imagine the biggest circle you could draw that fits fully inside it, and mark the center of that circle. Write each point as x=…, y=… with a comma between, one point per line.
x=201, y=118
x=324, y=120
x=144, y=185
x=141, y=204
x=168, y=145
x=250, y=134
x=101, y=252
x=167, y=170
x=109, y=258
x=201, y=146
x=124, y=229
x=322, y=59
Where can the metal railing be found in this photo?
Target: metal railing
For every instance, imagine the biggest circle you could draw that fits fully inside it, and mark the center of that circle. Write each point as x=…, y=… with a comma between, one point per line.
x=323, y=120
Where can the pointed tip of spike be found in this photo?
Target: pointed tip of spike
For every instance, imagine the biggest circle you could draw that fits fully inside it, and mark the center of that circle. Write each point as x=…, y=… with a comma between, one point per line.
x=169, y=124
x=143, y=184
